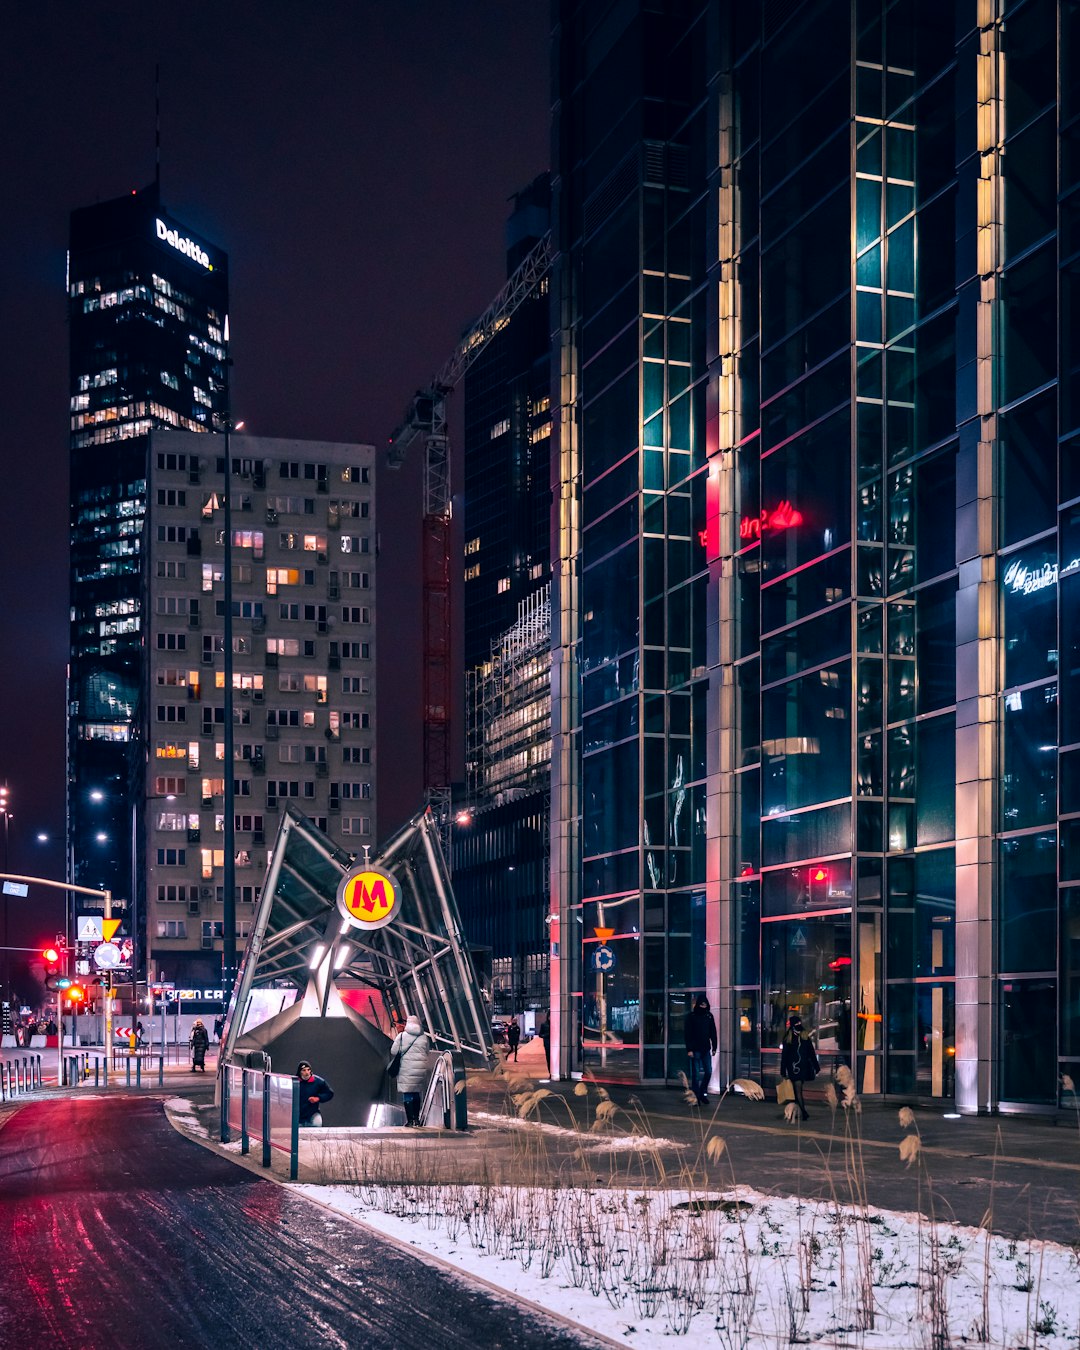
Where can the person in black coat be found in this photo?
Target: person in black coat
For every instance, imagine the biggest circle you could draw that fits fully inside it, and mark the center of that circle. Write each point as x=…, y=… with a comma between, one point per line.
x=700, y=1032
x=313, y=1092
x=199, y=1041
x=798, y=1061
x=513, y=1038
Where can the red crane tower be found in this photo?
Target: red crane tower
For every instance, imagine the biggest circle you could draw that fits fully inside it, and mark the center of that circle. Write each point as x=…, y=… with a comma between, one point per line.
x=425, y=419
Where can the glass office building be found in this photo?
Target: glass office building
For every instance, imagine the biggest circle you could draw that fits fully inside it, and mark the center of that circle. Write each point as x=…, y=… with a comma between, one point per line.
x=818, y=538
x=147, y=304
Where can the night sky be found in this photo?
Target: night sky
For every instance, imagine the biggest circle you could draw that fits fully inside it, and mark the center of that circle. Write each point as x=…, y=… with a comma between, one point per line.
x=355, y=160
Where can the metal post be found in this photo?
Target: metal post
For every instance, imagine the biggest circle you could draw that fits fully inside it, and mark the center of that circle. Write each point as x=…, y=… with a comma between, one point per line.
x=228, y=912
x=294, y=1132
x=223, y=1125
x=108, y=983
x=245, y=1142
x=266, y=1119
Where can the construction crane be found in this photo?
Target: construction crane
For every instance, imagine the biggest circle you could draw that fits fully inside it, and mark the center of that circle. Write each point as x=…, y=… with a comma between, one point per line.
x=426, y=420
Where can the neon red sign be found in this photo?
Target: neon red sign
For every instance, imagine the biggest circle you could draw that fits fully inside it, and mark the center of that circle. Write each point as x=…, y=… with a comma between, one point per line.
x=785, y=517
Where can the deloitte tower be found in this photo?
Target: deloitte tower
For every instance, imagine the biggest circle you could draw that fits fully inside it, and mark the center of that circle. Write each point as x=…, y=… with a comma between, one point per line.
x=147, y=304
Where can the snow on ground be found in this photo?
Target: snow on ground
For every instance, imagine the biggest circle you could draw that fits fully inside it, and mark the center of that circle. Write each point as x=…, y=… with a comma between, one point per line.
x=598, y=1144
x=641, y=1267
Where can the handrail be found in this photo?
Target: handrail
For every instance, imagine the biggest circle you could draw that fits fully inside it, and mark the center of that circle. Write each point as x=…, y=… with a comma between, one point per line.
x=255, y=1090
x=447, y=1073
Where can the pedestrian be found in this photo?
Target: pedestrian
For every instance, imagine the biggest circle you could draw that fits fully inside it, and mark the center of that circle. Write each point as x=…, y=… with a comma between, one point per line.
x=219, y=1027
x=513, y=1039
x=413, y=1044
x=798, y=1061
x=140, y=1036
x=545, y=1036
x=199, y=1042
x=699, y=1032
x=313, y=1092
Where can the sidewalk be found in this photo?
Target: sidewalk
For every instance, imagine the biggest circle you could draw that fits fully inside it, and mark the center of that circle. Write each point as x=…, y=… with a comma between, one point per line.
x=1027, y=1169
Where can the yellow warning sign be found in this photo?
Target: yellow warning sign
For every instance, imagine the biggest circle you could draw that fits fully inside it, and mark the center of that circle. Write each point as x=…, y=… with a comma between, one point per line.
x=604, y=933
x=109, y=928
x=369, y=898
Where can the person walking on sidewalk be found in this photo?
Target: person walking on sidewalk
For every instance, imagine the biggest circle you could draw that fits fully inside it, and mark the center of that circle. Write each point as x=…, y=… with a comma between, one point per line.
x=798, y=1061
x=700, y=1033
x=199, y=1042
x=413, y=1044
x=513, y=1038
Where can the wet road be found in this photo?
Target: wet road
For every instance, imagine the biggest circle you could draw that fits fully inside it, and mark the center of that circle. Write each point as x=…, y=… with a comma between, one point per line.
x=115, y=1231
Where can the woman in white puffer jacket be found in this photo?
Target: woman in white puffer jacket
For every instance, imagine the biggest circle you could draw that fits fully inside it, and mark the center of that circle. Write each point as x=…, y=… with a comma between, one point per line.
x=414, y=1045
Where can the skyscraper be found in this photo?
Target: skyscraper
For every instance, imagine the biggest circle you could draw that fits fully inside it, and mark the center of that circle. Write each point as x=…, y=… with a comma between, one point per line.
x=846, y=235
x=630, y=710
x=147, y=304
x=500, y=845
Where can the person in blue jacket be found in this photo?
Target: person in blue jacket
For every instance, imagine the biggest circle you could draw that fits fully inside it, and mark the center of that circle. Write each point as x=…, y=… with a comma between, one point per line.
x=313, y=1092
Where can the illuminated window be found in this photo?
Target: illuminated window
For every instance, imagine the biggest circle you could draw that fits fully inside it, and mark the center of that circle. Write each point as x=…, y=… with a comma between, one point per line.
x=503, y=586
x=472, y=572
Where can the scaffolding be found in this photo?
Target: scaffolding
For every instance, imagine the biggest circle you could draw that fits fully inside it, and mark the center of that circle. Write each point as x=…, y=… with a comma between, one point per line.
x=508, y=738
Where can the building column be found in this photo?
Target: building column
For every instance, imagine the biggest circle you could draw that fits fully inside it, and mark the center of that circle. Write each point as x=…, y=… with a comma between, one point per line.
x=722, y=533
x=978, y=607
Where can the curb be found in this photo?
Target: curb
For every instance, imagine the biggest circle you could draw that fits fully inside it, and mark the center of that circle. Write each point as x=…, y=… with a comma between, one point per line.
x=500, y=1291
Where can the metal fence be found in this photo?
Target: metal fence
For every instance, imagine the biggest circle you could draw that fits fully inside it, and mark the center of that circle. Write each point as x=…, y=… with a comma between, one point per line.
x=19, y=1075
x=80, y=1065
x=264, y=1107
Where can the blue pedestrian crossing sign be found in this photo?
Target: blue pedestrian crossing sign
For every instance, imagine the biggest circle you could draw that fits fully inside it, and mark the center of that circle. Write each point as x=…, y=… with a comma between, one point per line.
x=603, y=958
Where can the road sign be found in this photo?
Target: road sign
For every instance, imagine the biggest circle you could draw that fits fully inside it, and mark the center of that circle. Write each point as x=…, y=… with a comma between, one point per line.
x=798, y=938
x=16, y=888
x=106, y=956
x=603, y=958
x=109, y=928
x=368, y=897
x=88, y=928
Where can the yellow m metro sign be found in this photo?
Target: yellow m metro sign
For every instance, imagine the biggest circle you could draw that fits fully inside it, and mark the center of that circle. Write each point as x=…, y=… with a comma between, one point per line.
x=369, y=897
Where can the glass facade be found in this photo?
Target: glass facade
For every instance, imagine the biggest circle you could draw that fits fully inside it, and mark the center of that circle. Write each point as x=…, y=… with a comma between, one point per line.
x=147, y=304
x=819, y=339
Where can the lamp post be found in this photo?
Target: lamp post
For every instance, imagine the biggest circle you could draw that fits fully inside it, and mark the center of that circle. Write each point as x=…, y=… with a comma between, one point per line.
x=228, y=908
x=5, y=811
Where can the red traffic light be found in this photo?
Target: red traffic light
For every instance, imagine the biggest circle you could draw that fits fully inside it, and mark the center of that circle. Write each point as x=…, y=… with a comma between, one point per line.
x=50, y=955
x=76, y=994
x=820, y=874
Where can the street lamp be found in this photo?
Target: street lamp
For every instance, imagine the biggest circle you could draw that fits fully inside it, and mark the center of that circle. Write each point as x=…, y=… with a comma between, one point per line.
x=228, y=908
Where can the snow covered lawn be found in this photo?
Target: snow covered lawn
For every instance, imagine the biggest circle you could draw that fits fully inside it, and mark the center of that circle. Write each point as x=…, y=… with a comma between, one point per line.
x=753, y=1270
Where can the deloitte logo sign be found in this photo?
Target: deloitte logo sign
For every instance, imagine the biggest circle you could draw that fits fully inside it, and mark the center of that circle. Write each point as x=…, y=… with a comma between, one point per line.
x=188, y=247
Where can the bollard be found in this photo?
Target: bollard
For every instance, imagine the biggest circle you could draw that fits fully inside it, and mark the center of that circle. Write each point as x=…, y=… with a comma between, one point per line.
x=138, y=1072
x=161, y=1070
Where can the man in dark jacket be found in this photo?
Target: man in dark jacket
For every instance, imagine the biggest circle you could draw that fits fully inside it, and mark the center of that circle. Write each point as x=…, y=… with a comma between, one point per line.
x=700, y=1034
x=313, y=1092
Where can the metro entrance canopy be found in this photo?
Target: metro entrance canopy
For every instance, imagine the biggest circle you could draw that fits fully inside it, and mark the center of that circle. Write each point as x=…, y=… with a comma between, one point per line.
x=380, y=936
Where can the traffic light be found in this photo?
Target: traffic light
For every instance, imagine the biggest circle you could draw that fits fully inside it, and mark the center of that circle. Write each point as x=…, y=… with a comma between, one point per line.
x=819, y=884
x=51, y=957
x=76, y=995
